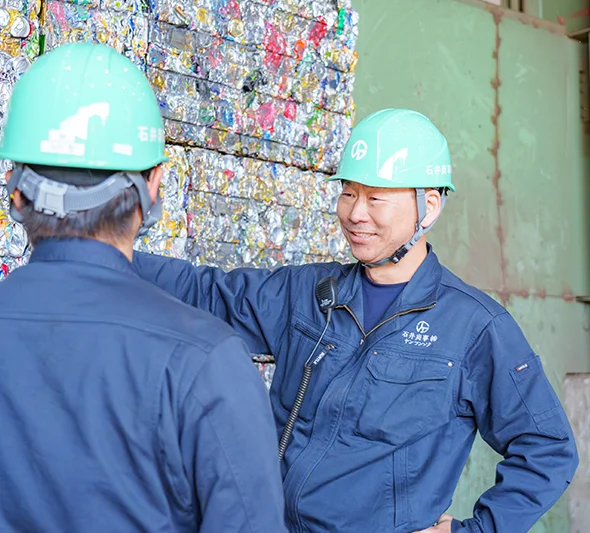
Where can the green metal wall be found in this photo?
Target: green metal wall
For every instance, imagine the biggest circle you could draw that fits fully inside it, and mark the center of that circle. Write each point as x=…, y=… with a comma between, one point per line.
x=507, y=96
x=575, y=14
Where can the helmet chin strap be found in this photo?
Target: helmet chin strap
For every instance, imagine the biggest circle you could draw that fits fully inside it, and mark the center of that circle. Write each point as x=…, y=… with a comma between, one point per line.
x=419, y=232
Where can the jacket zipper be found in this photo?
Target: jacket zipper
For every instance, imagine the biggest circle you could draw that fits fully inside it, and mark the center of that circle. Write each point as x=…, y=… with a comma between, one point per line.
x=365, y=335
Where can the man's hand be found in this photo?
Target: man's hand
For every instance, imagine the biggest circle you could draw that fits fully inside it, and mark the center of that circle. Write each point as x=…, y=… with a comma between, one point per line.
x=443, y=525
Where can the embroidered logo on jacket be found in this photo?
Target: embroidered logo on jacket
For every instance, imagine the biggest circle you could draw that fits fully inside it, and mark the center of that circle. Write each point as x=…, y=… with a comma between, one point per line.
x=421, y=337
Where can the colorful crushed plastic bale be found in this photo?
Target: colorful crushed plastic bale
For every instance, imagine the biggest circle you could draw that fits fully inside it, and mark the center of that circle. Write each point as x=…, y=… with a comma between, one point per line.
x=257, y=101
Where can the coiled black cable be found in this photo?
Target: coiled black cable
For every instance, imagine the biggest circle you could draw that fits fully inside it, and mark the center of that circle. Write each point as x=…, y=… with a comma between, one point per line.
x=301, y=392
x=290, y=425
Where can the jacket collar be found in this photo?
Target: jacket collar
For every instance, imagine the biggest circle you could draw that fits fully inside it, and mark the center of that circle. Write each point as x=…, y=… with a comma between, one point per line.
x=87, y=251
x=420, y=292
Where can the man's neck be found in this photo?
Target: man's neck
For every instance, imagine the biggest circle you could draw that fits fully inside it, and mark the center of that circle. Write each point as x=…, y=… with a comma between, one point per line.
x=401, y=272
x=125, y=246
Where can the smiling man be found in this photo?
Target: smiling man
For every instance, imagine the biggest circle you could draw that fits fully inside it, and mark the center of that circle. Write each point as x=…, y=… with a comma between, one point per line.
x=412, y=363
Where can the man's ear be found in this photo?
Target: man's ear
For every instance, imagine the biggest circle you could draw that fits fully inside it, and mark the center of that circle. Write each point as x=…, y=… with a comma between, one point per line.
x=16, y=196
x=433, y=207
x=153, y=182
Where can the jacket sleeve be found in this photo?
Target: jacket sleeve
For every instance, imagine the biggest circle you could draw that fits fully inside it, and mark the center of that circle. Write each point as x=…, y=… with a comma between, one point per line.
x=229, y=446
x=255, y=302
x=519, y=415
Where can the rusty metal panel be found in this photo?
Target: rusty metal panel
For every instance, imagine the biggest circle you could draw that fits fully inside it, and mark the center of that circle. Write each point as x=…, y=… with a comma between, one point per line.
x=577, y=401
x=541, y=176
x=558, y=331
x=529, y=14
x=438, y=60
x=574, y=14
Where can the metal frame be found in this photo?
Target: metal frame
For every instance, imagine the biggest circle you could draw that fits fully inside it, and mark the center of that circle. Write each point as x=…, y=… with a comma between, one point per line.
x=506, y=12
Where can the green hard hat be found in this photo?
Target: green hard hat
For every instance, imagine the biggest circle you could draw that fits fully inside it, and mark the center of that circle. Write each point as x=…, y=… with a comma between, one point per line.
x=396, y=148
x=85, y=106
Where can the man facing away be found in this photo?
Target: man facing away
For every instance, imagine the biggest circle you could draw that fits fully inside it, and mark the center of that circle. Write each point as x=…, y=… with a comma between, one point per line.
x=122, y=409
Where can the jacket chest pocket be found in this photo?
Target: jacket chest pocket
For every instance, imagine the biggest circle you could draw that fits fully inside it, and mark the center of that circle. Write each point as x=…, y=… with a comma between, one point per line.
x=405, y=396
x=303, y=338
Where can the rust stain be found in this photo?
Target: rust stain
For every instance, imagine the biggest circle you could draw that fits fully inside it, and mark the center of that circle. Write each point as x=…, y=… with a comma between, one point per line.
x=504, y=296
x=541, y=293
x=535, y=24
x=568, y=295
x=499, y=12
x=577, y=14
x=500, y=234
x=495, y=148
x=523, y=293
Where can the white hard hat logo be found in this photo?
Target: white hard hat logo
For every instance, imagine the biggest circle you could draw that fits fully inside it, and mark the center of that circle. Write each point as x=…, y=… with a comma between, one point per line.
x=359, y=150
x=73, y=129
x=393, y=164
